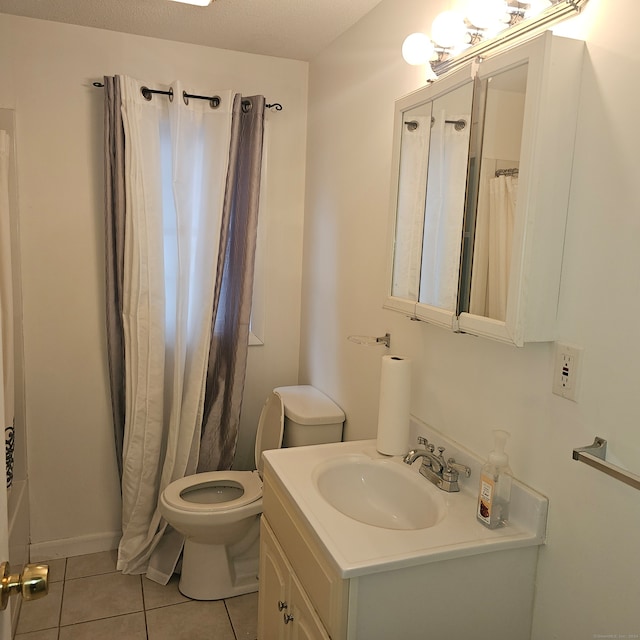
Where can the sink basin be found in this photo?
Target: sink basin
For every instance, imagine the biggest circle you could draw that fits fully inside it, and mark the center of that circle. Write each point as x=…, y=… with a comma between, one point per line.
x=382, y=493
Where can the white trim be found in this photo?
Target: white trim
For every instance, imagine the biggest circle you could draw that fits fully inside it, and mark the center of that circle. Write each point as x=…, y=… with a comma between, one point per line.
x=78, y=546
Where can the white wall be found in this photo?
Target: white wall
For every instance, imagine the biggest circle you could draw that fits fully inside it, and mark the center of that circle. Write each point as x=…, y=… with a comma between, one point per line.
x=46, y=71
x=588, y=580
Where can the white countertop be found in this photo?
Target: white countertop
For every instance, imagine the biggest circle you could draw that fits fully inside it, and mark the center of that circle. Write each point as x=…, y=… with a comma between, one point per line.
x=359, y=549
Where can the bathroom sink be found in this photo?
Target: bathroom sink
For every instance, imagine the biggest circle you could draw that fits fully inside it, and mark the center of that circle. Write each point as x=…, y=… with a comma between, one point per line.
x=379, y=492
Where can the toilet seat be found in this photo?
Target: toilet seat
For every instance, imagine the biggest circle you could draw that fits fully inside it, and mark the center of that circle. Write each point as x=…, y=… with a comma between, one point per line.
x=268, y=436
x=270, y=427
x=247, y=481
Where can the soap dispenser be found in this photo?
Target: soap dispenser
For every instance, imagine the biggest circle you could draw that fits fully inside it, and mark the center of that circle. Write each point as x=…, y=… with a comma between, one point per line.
x=495, y=485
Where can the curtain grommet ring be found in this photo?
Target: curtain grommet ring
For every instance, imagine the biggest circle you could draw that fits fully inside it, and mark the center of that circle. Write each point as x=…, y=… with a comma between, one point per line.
x=147, y=93
x=214, y=101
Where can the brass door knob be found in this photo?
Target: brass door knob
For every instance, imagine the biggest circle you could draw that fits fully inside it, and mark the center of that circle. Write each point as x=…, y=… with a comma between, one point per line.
x=32, y=583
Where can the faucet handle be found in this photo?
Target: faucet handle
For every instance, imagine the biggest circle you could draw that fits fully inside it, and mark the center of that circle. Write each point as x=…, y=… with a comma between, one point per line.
x=422, y=440
x=452, y=465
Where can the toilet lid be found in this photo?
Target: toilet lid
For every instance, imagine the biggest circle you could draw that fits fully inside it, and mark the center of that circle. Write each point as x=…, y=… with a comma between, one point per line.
x=270, y=428
x=214, y=491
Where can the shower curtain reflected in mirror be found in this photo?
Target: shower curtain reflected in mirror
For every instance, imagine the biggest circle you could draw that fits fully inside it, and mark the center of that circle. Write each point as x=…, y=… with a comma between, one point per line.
x=442, y=237
x=414, y=163
x=493, y=243
x=182, y=184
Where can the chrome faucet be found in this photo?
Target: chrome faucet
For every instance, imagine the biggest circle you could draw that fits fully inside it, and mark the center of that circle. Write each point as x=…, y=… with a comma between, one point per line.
x=443, y=473
x=435, y=462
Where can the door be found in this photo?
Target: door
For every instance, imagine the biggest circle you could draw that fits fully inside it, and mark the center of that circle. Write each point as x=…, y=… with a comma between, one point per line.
x=32, y=582
x=6, y=327
x=272, y=596
x=306, y=624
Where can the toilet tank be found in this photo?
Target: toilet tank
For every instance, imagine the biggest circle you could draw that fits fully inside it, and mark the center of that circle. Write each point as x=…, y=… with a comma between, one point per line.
x=310, y=417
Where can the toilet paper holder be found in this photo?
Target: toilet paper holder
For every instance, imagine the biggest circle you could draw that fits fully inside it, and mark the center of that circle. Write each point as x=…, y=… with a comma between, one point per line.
x=372, y=341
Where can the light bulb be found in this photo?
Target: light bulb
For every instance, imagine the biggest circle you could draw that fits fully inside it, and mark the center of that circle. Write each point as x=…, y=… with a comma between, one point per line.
x=484, y=14
x=448, y=29
x=417, y=49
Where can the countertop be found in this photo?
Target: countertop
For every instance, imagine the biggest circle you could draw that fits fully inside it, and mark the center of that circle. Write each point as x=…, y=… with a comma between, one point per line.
x=359, y=549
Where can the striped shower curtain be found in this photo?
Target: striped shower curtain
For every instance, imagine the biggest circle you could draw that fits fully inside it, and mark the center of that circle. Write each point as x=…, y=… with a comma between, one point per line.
x=182, y=184
x=492, y=248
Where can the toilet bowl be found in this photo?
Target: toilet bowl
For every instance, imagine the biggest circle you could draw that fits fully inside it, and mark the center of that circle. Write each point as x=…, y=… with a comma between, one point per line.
x=218, y=512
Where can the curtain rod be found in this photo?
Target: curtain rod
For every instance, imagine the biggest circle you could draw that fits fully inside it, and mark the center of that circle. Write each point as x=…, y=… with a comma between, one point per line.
x=507, y=172
x=214, y=101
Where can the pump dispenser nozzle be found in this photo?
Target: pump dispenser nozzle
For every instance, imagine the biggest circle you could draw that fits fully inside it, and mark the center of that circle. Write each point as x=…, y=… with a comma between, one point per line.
x=498, y=457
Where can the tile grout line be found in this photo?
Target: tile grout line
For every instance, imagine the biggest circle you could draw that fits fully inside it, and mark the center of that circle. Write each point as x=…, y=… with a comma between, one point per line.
x=144, y=610
x=64, y=584
x=233, y=630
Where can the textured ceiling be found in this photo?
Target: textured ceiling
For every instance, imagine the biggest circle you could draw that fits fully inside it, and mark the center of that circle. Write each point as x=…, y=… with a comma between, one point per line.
x=296, y=29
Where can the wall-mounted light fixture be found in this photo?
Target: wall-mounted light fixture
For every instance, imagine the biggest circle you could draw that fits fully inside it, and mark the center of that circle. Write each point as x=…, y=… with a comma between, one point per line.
x=481, y=27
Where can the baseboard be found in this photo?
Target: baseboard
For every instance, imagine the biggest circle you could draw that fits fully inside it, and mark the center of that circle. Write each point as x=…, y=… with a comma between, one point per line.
x=69, y=547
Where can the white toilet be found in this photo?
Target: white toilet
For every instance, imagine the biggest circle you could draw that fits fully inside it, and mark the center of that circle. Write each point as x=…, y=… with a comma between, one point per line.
x=219, y=512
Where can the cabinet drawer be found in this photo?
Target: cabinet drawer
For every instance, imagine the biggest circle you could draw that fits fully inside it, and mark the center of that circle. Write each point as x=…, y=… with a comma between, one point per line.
x=326, y=589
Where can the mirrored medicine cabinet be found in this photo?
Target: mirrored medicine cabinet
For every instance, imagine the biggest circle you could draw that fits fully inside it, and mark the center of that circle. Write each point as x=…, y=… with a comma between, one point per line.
x=480, y=185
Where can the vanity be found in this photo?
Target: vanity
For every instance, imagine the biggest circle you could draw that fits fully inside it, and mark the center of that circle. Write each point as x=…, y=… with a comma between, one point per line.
x=416, y=566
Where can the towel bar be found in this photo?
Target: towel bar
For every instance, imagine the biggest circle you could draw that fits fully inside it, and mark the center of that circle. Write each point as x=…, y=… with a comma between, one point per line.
x=594, y=455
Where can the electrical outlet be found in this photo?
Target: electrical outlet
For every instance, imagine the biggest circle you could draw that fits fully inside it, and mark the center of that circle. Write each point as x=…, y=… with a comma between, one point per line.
x=566, y=371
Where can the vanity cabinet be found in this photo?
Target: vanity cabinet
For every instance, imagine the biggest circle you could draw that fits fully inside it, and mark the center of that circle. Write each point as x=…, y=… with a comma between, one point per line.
x=510, y=213
x=302, y=593
x=296, y=577
x=286, y=612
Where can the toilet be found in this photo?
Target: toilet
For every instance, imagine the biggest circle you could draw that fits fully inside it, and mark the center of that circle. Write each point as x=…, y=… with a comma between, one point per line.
x=218, y=512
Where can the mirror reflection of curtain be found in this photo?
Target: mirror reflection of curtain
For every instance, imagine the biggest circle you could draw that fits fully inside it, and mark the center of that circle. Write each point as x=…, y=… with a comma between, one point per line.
x=493, y=244
x=442, y=237
x=414, y=161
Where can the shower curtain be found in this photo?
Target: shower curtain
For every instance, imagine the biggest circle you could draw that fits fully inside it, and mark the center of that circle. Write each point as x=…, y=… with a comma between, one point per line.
x=492, y=247
x=442, y=238
x=234, y=288
x=174, y=223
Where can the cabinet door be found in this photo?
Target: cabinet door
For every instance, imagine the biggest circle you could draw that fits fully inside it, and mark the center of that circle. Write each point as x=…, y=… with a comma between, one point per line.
x=430, y=157
x=272, y=599
x=305, y=624
x=522, y=180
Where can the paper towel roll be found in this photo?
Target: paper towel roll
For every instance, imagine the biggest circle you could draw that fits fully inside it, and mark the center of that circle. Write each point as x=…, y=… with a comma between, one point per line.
x=394, y=408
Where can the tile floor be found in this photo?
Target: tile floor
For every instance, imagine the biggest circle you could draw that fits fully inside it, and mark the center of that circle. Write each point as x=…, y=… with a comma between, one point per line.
x=89, y=599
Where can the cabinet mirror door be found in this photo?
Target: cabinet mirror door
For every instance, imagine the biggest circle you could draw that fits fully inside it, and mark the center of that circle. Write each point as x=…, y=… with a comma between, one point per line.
x=415, y=136
x=431, y=148
x=497, y=137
